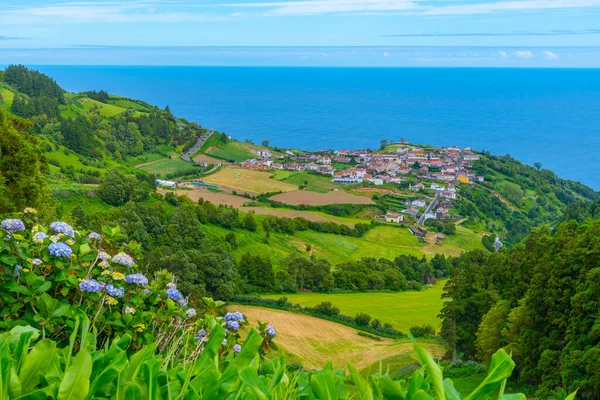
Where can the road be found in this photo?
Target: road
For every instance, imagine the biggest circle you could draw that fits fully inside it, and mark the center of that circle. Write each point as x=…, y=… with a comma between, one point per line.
x=431, y=206
x=186, y=156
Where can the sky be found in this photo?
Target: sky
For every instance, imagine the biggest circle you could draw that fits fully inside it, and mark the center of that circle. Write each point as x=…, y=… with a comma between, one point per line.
x=561, y=33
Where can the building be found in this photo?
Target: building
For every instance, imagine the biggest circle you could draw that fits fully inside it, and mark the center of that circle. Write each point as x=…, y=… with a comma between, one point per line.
x=418, y=232
x=410, y=212
x=397, y=218
x=418, y=203
x=167, y=184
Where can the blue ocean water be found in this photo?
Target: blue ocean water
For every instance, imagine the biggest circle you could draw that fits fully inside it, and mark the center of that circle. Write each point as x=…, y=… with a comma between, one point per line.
x=547, y=115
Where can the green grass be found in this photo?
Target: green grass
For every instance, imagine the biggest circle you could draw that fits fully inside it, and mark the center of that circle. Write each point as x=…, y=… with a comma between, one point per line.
x=314, y=183
x=127, y=104
x=90, y=203
x=402, y=309
x=106, y=110
x=166, y=166
x=7, y=96
x=236, y=151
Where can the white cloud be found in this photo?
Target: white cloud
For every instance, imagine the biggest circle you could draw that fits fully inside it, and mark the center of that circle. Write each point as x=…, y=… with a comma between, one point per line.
x=548, y=55
x=409, y=7
x=524, y=55
x=386, y=54
x=502, y=54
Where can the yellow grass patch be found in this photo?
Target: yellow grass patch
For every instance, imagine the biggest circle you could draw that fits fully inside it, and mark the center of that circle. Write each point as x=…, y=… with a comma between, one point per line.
x=316, y=341
x=244, y=180
x=320, y=199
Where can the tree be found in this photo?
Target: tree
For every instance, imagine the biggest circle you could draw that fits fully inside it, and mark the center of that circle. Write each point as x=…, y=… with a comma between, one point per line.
x=115, y=188
x=265, y=143
x=383, y=144
x=250, y=222
x=489, y=334
x=21, y=166
x=362, y=319
x=537, y=165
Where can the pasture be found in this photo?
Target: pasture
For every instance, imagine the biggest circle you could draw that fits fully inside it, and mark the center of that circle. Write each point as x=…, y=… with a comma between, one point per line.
x=313, y=342
x=401, y=309
x=312, y=183
x=299, y=197
x=106, y=110
x=164, y=166
x=6, y=96
x=244, y=180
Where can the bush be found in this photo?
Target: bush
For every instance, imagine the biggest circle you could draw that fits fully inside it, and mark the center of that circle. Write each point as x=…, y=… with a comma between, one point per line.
x=362, y=319
x=370, y=336
x=423, y=330
x=326, y=308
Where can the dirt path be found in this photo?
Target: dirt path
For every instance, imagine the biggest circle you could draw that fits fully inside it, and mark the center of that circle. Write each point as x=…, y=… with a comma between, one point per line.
x=148, y=163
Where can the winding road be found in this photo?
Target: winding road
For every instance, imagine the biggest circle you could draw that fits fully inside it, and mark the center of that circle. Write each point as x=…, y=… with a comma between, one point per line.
x=428, y=210
x=188, y=154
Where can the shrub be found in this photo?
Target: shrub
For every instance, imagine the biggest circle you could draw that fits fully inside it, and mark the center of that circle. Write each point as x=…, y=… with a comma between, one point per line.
x=326, y=308
x=362, y=319
x=423, y=330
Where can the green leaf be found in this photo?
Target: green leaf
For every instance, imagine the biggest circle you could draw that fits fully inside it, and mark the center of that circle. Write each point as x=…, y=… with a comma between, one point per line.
x=84, y=249
x=501, y=368
x=323, y=385
x=572, y=395
x=433, y=370
x=255, y=384
x=76, y=383
x=451, y=392
x=41, y=394
x=37, y=362
x=515, y=396
x=363, y=388
x=388, y=388
x=15, y=389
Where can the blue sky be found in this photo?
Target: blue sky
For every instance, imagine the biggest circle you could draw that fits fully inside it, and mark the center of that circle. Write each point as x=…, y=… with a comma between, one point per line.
x=516, y=32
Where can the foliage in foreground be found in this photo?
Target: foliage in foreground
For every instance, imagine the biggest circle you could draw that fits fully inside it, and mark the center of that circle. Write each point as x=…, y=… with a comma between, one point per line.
x=31, y=368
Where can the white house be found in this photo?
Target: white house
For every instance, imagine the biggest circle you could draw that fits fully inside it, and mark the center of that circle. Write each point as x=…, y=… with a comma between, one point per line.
x=397, y=218
x=418, y=203
x=168, y=184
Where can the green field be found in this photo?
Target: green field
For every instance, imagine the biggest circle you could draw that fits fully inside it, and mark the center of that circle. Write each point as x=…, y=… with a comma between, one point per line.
x=106, y=110
x=7, y=96
x=164, y=166
x=314, y=183
x=127, y=104
x=402, y=309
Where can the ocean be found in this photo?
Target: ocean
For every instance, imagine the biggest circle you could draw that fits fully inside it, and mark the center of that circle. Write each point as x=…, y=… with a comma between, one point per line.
x=550, y=116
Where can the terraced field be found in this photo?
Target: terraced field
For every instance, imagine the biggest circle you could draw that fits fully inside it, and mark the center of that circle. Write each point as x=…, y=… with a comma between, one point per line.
x=244, y=180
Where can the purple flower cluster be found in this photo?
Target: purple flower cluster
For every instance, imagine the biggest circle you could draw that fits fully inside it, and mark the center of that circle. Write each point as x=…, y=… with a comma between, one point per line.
x=62, y=227
x=136, y=279
x=94, y=236
x=234, y=316
x=123, y=259
x=17, y=269
x=147, y=291
x=271, y=331
x=237, y=348
x=36, y=261
x=233, y=325
x=201, y=335
x=183, y=302
x=174, y=294
x=91, y=285
x=103, y=256
x=13, y=225
x=60, y=249
x=39, y=237
x=190, y=312
x=115, y=291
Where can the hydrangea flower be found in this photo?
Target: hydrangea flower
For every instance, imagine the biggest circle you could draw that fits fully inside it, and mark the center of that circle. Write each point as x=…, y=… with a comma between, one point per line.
x=171, y=285
x=147, y=291
x=62, y=227
x=200, y=335
x=183, y=302
x=110, y=300
x=17, y=269
x=136, y=279
x=190, y=313
x=233, y=325
x=70, y=242
x=115, y=291
x=234, y=316
x=39, y=237
x=117, y=276
x=224, y=342
x=237, y=348
x=36, y=261
x=139, y=327
x=129, y=310
x=29, y=210
x=123, y=259
x=271, y=331
x=55, y=238
x=94, y=236
x=59, y=249
x=174, y=294
x=13, y=225
x=104, y=264
x=91, y=285
x=102, y=255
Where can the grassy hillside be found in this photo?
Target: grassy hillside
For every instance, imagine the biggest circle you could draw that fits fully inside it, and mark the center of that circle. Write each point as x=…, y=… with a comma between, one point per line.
x=399, y=309
x=313, y=183
x=311, y=341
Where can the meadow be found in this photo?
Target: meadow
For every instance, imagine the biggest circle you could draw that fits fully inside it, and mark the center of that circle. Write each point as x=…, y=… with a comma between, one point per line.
x=164, y=166
x=312, y=183
x=305, y=197
x=401, y=309
x=313, y=342
x=245, y=180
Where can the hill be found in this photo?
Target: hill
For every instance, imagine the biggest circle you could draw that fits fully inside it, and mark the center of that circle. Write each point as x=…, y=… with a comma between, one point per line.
x=309, y=341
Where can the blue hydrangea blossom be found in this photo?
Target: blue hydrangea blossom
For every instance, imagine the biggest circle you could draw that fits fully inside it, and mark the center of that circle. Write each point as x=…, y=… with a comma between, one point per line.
x=114, y=291
x=136, y=279
x=271, y=331
x=123, y=259
x=13, y=225
x=174, y=294
x=91, y=285
x=60, y=249
x=237, y=348
x=62, y=227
